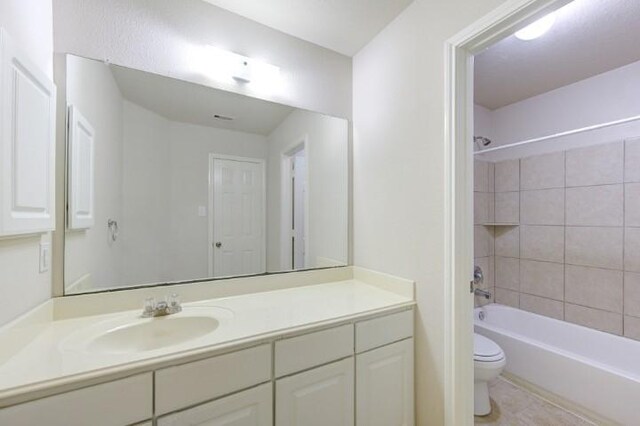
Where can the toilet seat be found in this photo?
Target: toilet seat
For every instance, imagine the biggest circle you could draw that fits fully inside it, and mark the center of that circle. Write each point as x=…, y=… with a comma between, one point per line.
x=486, y=350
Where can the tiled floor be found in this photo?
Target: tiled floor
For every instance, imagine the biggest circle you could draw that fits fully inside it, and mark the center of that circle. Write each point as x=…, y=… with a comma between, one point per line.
x=515, y=406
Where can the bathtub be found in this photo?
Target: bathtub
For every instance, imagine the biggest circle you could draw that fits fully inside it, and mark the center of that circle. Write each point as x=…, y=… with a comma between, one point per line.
x=597, y=371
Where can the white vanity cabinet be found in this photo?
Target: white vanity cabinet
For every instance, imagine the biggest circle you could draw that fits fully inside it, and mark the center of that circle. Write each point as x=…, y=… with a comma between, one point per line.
x=318, y=397
x=384, y=371
x=253, y=407
x=356, y=373
x=117, y=403
x=27, y=143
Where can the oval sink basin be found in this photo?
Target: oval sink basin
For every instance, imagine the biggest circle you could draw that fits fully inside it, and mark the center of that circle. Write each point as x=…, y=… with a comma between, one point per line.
x=154, y=333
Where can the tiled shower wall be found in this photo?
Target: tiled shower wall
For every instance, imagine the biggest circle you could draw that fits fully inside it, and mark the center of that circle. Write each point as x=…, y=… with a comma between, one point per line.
x=575, y=254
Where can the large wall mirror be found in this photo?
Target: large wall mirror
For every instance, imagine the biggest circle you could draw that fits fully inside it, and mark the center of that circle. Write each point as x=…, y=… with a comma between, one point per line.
x=170, y=181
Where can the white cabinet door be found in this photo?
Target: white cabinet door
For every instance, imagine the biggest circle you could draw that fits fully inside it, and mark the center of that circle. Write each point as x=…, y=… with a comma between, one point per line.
x=27, y=143
x=384, y=383
x=253, y=407
x=319, y=397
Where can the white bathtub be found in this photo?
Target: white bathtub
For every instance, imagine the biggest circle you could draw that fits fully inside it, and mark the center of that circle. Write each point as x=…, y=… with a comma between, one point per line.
x=589, y=368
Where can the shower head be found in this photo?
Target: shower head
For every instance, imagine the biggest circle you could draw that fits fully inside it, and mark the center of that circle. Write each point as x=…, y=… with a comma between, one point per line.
x=481, y=141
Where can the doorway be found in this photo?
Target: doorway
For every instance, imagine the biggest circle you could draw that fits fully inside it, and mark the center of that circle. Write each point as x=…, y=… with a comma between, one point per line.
x=236, y=216
x=295, y=208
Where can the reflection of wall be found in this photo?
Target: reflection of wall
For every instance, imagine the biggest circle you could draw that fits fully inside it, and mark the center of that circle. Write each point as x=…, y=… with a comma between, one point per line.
x=21, y=285
x=327, y=162
x=146, y=187
x=92, y=89
x=190, y=148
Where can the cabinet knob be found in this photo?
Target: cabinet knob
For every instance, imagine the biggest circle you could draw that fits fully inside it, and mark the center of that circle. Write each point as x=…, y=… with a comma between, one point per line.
x=218, y=244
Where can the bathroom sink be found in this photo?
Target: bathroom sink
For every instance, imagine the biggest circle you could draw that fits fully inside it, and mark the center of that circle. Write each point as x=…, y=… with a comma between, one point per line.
x=130, y=333
x=154, y=333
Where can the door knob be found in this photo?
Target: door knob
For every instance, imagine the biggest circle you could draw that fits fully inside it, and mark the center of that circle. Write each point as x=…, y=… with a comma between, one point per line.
x=218, y=244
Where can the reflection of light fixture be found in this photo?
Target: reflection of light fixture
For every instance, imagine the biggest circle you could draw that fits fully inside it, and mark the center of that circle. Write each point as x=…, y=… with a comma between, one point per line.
x=538, y=28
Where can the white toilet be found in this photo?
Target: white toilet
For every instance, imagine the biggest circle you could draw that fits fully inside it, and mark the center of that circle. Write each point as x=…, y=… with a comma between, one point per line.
x=488, y=363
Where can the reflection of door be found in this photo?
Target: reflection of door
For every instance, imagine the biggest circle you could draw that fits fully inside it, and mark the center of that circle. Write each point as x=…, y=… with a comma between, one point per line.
x=237, y=220
x=298, y=189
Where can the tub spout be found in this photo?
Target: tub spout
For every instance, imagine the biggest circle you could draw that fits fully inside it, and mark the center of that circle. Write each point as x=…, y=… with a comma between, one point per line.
x=484, y=293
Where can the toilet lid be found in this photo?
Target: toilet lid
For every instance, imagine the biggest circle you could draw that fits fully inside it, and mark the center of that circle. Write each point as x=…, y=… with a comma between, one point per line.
x=485, y=349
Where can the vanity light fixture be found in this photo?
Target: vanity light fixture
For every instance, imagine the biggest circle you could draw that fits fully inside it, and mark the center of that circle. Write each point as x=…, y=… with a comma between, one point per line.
x=226, y=65
x=538, y=28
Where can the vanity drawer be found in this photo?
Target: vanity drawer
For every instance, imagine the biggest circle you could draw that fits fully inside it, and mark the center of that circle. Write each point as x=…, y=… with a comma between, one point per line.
x=384, y=330
x=313, y=349
x=188, y=384
x=117, y=403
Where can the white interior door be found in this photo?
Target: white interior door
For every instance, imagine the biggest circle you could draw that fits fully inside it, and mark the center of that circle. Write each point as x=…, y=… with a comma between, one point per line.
x=238, y=217
x=299, y=213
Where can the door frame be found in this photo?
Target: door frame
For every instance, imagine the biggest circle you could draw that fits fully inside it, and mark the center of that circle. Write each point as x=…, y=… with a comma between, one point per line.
x=286, y=197
x=210, y=218
x=458, y=258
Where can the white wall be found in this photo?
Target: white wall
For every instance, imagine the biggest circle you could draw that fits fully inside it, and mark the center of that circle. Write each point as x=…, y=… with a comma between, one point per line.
x=21, y=285
x=399, y=172
x=162, y=36
x=610, y=96
x=328, y=171
x=92, y=89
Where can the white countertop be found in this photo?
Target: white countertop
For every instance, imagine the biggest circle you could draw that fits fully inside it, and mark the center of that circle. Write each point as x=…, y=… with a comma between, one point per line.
x=45, y=358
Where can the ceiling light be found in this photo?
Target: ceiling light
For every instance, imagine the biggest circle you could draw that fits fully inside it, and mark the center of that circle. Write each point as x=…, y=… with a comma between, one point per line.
x=537, y=29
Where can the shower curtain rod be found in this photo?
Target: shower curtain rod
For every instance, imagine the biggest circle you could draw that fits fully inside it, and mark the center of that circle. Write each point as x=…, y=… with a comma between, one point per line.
x=561, y=134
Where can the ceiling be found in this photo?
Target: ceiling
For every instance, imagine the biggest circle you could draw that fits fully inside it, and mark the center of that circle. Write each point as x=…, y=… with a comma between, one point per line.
x=588, y=38
x=344, y=26
x=185, y=102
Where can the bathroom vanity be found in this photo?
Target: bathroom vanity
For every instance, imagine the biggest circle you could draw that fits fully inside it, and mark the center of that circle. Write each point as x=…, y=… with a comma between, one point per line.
x=325, y=347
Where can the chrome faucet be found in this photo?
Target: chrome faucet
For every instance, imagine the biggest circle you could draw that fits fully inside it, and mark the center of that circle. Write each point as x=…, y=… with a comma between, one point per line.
x=480, y=292
x=170, y=305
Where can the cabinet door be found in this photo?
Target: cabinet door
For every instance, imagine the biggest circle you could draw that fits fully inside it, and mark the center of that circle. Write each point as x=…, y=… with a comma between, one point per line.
x=319, y=397
x=384, y=383
x=252, y=407
x=27, y=142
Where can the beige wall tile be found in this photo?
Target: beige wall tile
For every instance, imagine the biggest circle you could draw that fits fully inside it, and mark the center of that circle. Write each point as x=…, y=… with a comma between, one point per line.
x=482, y=241
x=632, y=203
x=593, y=318
x=507, y=272
x=507, y=297
x=595, y=205
x=541, y=306
x=507, y=176
x=507, y=207
x=507, y=241
x=594, y=246
x=632, y=249
x=481, y=176
x=545, y=243
x=542, y=207
x=632, y=160
x=632, y=294
x=632, y=327
x=542, y=279
x=595, y=165
x=483, y=207
x=491, y=168
x=542, y=171
x=594, y=287
x=487, y=264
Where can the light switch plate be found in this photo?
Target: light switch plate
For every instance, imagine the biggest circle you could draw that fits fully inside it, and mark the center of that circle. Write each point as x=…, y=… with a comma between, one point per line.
x=45, y=257
x=202, y=211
